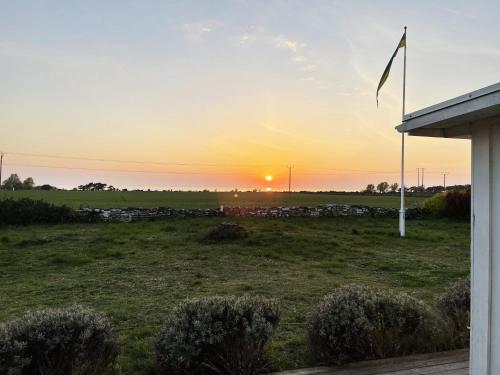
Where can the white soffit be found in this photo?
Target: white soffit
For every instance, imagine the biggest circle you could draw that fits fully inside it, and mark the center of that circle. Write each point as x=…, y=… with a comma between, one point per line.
x=453, y=118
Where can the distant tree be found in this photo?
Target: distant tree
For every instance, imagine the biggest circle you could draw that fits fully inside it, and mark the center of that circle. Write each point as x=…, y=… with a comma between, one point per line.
x=93, y=186
x=13, y=182
x=394, y=187
x=416, y=189
x=111, y=188
x=99, y=186
x=434, y=189
x=382, y=187
x=370, y=188
x=28, y=183
x=45, y=187
x=85, y=187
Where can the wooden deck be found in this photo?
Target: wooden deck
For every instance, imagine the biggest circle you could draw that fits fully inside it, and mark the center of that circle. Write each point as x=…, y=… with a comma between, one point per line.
x=445, y=363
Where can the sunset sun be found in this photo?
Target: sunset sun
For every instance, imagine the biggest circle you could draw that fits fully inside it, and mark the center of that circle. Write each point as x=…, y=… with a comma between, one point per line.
x=269, y=177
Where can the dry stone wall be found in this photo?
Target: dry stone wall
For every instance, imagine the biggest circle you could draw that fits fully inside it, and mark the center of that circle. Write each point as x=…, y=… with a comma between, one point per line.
x=330, y=210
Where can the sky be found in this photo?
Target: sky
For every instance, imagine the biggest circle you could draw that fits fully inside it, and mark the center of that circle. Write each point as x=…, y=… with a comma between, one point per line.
x=219, y=94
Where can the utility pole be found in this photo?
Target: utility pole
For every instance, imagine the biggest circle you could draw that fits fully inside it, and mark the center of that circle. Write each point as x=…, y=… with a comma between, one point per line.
x=418, y=177
x=289, y=179
x=444, y=180
x=423, y=169
x=1, y=165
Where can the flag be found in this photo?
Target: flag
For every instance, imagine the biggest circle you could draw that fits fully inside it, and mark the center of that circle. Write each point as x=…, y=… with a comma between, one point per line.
x=401, y=44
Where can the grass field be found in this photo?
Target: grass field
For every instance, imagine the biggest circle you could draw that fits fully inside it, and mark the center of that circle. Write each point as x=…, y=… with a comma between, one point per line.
x=149, y=199
x=136, y=272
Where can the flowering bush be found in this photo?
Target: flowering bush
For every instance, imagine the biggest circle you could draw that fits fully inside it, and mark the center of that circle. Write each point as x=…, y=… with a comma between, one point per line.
x=357, y=323
x=218, y=335
x=75, y=340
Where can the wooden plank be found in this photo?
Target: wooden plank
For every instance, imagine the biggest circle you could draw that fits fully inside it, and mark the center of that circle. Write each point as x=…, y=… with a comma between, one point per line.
x=449, y=363
x=443, y=369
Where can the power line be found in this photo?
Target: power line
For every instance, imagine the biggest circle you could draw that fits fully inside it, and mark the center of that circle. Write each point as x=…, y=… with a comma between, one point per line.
x=168, y=163
x=1, y=165
x=339, y=172
x=344, y=172
x=177, y=163
x=444, y=179
x=289, y=179
x=116, y=170
x=173, y=172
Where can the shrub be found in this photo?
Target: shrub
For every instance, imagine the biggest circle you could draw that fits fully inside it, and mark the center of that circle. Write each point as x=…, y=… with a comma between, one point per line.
x=454, y=303
x=436, y=205
x=218, y=335
x=27, y=211
x=226, y=232
x=458, y=204
x=356, y=323
x=75, y=340
x=453, y=204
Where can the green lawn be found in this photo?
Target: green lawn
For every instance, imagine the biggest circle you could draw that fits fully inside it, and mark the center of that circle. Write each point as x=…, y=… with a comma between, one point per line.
x=136, y=272
x=148, y=199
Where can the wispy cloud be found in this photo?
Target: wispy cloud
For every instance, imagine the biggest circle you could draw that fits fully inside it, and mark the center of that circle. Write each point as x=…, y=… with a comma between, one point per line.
x=296, y=51
x=278, y=41
x=298, y=59
x=196, y=31
x=283, y=42
x=247, y=39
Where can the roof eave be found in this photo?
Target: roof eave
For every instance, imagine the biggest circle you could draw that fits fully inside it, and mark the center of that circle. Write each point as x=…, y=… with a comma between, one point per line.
x=454, y=117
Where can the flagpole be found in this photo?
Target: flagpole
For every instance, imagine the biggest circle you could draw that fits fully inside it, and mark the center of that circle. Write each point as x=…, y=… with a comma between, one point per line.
x=402, y=209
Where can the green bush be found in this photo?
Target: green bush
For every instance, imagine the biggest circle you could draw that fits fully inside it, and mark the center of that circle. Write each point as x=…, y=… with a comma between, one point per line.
x=218, y=335
x=27, y=211
x=458, y=204
x=226, y=232
x=454, y=303
x=454, y=204
x=436, y=205
x=358, y=323
x=67, y=341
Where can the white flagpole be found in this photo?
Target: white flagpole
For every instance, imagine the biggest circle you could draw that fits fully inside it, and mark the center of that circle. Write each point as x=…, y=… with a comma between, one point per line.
x=402, y=209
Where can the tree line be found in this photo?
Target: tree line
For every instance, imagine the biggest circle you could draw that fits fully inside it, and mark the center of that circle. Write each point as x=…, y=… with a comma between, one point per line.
x=385, y=187
x=14, y=182
x=96, y=186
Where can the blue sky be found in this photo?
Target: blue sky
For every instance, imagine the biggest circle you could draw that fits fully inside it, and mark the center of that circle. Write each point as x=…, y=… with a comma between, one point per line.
x=248, y=86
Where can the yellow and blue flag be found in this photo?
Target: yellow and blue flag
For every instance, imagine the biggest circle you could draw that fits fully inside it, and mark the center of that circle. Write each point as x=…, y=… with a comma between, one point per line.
x=401, y=44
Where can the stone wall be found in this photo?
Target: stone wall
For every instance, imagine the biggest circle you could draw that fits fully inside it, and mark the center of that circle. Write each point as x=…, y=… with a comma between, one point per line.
x=132, y=214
